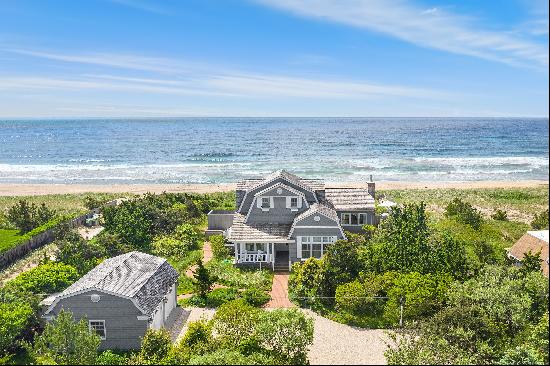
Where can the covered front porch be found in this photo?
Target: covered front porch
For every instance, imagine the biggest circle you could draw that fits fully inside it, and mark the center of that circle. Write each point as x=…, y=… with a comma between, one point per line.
x=273, y=255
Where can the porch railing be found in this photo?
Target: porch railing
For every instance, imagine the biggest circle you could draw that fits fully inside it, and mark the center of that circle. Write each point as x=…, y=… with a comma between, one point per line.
x=254, y=257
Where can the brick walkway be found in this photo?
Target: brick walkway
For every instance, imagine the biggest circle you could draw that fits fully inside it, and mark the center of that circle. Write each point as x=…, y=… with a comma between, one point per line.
x=279, y=292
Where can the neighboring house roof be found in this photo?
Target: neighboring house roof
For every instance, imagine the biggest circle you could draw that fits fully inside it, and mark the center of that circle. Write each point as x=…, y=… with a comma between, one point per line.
x=240, y=230
x=144, y=278
x=534, y=242
x=349, y=198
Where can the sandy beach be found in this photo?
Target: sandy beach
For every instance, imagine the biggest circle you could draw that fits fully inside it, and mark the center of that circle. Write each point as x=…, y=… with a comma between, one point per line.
x=44, y=189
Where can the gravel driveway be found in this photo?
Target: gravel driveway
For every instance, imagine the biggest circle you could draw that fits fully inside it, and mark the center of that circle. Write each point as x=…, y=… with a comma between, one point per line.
x=335, y=343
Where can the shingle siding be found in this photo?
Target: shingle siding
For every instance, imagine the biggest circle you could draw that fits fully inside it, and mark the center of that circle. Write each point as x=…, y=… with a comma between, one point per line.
x=279, y=214
x=123, y=329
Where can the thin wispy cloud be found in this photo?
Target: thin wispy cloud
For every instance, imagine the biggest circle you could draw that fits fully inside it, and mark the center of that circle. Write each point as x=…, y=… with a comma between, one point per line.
x=202, y=80
x=433, y=28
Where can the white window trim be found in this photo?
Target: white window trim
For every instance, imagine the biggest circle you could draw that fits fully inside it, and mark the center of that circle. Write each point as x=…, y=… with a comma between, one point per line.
x=308, y=240
x=94, y=330
x=359, y=215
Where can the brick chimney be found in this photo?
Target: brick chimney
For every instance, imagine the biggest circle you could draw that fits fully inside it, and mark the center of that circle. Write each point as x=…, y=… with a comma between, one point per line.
x=370, y=187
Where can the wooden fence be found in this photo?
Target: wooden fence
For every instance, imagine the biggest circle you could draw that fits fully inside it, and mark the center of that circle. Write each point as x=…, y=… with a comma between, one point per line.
x=37, y=241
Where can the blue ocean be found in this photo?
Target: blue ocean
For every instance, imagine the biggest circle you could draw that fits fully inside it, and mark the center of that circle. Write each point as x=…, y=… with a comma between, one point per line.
x=218, y=150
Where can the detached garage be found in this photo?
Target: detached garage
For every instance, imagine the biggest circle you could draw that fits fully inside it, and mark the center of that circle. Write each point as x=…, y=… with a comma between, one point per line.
x=121, y=298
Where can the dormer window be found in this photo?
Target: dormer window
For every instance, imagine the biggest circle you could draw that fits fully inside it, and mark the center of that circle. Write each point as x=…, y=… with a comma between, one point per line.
x=266, y=202
x=293, y=202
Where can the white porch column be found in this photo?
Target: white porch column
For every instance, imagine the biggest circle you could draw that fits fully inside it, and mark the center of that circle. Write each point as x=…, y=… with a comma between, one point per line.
x=272, y=256
x=236, y=247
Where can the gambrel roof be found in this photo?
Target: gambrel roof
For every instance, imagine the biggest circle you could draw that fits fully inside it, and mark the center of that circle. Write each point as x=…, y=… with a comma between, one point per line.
x=143, y=278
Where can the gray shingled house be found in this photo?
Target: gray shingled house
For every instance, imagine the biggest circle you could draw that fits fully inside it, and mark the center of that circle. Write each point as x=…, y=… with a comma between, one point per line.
x=283, y=218
x=121, y=298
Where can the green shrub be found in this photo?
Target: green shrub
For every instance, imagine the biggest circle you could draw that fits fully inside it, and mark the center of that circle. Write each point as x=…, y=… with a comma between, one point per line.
x=110, y=358
x=464, y=212
x=255, y=297
x=499, y=215
x=166, y=246
x=235, y=321
x=198, y=337
x=359, y=297
x=45, y=279
x=422, y=296
x=304, y=280
x=96, y=201
x=15, y=318
x=189, y=236
x=219, y=250
x=155, y=345
x=540, y=222
x=231, y=357
x=83, y=255
x=287, y=334
x=214, y=298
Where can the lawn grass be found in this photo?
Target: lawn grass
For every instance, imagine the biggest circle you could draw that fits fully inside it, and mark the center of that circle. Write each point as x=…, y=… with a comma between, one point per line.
x=8, y=238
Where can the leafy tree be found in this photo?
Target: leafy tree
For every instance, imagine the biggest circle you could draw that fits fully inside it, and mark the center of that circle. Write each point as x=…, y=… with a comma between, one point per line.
x=339, y=265
x=464, y=212
x=499, y=215
x=203, y=281
x=65, y=342
x=405, y=243
x=27, y=216
x=540, y=222
x=286, y=333
x=45, y=279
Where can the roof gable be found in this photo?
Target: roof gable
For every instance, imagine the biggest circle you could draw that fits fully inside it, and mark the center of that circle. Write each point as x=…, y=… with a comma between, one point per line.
x=138, y=276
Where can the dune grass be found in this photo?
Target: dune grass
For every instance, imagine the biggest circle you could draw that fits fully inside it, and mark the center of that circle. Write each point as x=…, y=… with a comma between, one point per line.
x=520, y=203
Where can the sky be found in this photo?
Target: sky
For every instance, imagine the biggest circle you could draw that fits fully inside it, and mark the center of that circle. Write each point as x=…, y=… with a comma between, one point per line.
x=271, y=58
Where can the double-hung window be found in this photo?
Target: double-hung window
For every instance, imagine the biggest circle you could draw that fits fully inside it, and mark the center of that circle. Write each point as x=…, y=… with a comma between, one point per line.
x=266, y=202
x=293, y=202
x=315, y=246
x=98, y=326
